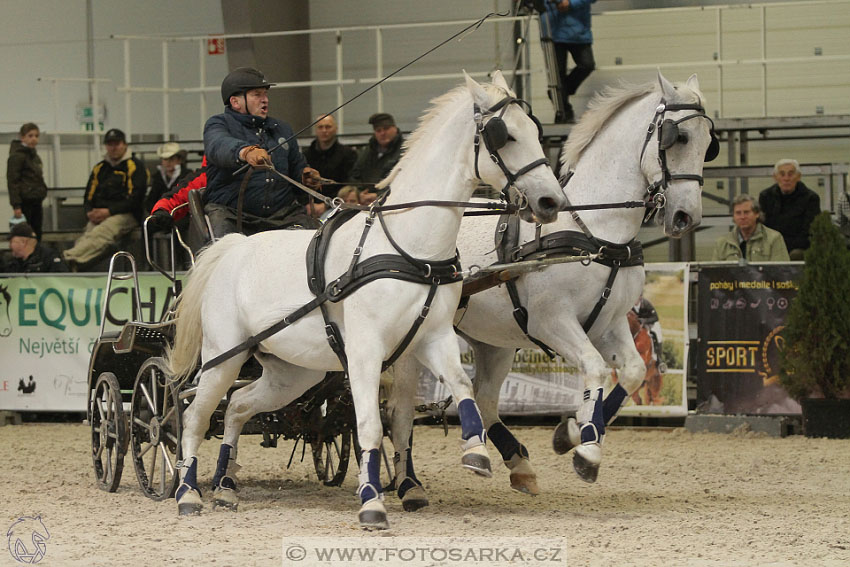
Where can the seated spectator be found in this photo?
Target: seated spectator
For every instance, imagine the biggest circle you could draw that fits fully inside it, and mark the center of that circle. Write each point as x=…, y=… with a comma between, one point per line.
x=378, y=158
x=789, y=207
x=349, y=194
x=326, y=154
x=171, y=171
x=113, y=201
x=29, y=255
x=750, y=239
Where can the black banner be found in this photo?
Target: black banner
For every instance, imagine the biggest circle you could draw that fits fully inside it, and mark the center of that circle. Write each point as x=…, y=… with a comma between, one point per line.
x=741, y=311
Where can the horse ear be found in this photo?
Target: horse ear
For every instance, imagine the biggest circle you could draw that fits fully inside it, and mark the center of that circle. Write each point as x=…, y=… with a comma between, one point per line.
x=499, y=80
x=693, y=83
x=667, y=87
x=479, y=95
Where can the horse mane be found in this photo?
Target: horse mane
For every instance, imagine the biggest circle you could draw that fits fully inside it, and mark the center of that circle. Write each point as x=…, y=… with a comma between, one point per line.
x=428, y=121
x=607, y=103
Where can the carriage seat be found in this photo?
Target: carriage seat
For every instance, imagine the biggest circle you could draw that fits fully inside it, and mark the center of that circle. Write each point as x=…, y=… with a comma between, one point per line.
x=197, y=215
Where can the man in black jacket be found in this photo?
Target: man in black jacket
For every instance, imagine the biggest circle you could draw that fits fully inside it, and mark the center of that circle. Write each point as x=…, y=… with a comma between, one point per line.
x=113, y=200
x=789, y=207
x=384, y=150
x=332, y=159
x=29, y=255
x=245, y=134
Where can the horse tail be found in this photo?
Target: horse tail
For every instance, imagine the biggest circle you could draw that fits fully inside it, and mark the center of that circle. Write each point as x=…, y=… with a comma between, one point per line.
x=182, y=358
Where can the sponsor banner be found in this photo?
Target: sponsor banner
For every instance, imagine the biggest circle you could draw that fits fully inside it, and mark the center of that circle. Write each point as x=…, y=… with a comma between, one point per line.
x=741, y=311
x=48, y=327
x=537, y=385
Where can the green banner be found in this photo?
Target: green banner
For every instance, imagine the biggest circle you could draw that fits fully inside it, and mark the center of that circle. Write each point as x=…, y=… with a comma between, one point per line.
x=49, y=325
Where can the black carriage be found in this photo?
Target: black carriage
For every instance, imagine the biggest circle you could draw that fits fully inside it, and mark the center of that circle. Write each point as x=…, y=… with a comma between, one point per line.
x=135, y=407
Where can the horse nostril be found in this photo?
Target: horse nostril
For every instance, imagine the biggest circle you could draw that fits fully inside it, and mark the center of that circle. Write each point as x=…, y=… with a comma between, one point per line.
x=547, y=204
x=681, y=221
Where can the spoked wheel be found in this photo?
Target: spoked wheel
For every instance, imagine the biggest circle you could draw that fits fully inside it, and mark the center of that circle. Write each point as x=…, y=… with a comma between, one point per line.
x=155, y=430
x=108, y=432
x=330, y=457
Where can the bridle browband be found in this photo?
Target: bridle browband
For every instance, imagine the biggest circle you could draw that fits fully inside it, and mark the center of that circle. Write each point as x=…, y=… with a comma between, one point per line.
x=494, y=134
x=667, y=134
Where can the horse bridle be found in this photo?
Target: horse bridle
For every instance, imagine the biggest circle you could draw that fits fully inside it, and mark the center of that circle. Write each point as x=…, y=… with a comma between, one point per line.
x=494, y=134
x=668, y=135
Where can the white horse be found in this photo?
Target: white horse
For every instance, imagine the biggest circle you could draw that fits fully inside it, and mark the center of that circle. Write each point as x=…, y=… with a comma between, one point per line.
x=242, y=286
x=612, y=157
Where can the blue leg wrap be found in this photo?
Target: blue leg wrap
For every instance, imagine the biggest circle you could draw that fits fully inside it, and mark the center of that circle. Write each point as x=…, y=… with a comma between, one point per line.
x=409, y=481
x=370, y=476
x=221, y=469
x=190, y=479
x=471, y=424
x=613, y=403
x=505, y=442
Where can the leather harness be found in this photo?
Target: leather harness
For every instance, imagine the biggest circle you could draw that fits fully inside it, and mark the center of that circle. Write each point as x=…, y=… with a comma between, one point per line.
x=401, y=267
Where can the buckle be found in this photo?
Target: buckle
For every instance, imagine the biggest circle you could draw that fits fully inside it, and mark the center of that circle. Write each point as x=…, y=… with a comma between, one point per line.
x=358, y=251
x=424, y=311
x=427, y=271
x=606, y=293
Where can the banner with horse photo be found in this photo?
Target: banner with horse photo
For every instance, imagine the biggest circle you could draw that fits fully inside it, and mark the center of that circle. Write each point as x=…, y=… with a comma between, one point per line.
x=538, y=385
x=48, y=327
x=741, y=312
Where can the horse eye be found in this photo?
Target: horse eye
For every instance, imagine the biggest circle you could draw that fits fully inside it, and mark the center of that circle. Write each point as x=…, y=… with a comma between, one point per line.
x=683, y=138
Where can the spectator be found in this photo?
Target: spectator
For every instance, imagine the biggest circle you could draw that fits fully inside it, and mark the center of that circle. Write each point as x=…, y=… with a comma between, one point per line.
x=24, y=176
x=789, y=207
x=29, y=255
x=171, y=171
x=569, y=25
x=349, y=194
x=244, y=134
x=331, y=158
x=384, y=150
x=750, y=239
x=113, y=201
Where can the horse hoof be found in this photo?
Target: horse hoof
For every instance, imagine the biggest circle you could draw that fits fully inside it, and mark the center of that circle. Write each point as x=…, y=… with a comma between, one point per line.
x=189, y=502
x=225, y=499
x=479, y=464
x=586, y=461
x=567, y=436
x=414, y=499
x=523, y=477
x=373, y=515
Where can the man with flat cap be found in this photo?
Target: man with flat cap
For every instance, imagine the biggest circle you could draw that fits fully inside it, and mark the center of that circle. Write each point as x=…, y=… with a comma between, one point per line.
x=384, y=150
x=245, y=134
x=113, y=201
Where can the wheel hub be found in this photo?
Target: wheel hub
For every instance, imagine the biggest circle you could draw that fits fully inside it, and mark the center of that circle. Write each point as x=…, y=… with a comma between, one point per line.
x=156, y=429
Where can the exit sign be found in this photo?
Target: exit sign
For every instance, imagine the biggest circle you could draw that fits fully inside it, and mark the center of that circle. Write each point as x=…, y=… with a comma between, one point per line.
x=215, y=46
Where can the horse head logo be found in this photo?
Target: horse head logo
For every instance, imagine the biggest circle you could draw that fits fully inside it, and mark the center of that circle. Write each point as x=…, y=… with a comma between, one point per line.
x=27, y=539
x=5, y=320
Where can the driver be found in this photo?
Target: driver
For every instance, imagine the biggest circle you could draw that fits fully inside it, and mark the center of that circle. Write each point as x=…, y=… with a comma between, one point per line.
x=244, y=134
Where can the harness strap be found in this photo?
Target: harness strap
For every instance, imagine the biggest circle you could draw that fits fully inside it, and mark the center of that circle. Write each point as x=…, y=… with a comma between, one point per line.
x=603, y=299
x=402, y=346
x=521, y=317
x=252, y=342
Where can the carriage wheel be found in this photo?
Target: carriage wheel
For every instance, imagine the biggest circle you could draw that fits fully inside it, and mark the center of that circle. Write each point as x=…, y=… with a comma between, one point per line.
x=156, y=428
x=108, y=432
x=330, y=457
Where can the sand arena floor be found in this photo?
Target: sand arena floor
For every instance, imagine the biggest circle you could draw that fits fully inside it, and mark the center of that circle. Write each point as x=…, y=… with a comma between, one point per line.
x=662, y=498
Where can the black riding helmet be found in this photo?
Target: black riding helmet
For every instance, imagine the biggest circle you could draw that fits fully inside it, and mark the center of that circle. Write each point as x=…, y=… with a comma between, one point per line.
x=240, y=81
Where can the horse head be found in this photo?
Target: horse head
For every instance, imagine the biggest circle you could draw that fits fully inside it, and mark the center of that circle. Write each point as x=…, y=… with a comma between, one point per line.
x=5, y=319
x=682, y=140
x=507, y=153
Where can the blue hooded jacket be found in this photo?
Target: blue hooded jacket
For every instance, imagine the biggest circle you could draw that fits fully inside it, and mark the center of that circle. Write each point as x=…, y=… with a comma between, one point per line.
x=224, y=136
x=572, y=26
